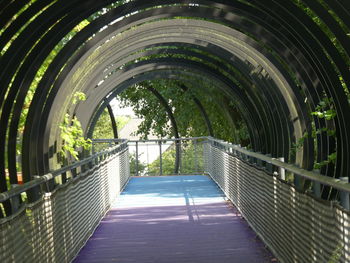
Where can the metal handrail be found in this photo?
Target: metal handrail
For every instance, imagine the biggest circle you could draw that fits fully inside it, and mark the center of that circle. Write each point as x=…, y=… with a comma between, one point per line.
x=311, y=175
x=171, y=139
x=38, y=180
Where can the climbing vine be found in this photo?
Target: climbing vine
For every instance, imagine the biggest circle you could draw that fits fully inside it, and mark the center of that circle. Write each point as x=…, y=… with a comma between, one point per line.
x=72, y=134
x=324, y=110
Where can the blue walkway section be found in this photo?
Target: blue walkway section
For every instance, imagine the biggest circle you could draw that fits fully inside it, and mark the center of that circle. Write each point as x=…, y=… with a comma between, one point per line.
x=170, y=190
x=173, y=219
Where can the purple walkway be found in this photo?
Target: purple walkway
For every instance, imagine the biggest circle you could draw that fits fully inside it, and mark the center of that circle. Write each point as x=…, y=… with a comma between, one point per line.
x=147, y=226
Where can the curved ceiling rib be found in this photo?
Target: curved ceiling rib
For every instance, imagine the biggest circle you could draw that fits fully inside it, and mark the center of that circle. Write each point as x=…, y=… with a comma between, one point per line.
x=270, y=58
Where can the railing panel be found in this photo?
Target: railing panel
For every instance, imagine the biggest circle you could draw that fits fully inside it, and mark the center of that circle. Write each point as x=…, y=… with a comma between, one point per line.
x=167, y=156
x=296, y=226
x=56, y=227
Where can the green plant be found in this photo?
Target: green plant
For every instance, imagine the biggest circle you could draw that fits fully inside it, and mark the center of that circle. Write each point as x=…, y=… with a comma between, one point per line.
x=335, y=258
x=141, y=167
x=72, y=136
x=324, y=110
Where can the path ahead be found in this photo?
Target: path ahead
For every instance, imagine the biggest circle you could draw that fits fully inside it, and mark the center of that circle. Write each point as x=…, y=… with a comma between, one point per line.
x=173, y=219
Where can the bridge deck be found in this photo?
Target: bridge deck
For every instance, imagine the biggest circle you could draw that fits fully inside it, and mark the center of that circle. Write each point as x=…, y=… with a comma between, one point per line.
x=173, y=219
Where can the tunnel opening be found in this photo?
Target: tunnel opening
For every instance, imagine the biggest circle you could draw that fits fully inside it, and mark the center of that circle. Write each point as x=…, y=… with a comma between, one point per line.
x=278, y=71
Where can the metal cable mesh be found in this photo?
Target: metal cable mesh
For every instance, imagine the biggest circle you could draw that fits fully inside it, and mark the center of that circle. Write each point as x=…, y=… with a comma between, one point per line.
x=295, y=226
x=56, y=227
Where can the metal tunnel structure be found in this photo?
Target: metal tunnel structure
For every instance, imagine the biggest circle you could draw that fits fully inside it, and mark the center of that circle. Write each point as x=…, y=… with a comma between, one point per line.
x=272, y=58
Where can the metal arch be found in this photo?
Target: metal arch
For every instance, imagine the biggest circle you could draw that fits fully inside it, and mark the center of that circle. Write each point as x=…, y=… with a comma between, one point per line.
x=8, y=9
x=169, y=74
x=345, y=128
x=112, y=81
x=202, y=111
x=341, y=8
x=24, y=76
x=7, y=73
x=113, y=122
x=189, y=54
x=171, y=116
x=17, y=24
x=263, y=22
x=325, y=74
x=55, y=35
x=35, y=114
x=18, y=49
x=331, y=23
x=168, y=65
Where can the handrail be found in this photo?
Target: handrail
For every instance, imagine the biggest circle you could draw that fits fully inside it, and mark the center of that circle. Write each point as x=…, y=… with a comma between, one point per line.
x=38, y=180
x=311, y=175
x=151, y=140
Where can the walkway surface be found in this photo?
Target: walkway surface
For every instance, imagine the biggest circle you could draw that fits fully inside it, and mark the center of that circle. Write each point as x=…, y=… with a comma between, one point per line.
x=173, y=219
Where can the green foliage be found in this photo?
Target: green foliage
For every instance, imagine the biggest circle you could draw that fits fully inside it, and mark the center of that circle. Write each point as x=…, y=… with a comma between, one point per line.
x=103, y=128
x=323, y=26
x=168, y=163
x=337, y=253
x=78, y=96
x=324, y=110
x=72, y=136
x=188, y=117
x=141, y=167
x=40, y=73
x=191, y=160
x=331, y=159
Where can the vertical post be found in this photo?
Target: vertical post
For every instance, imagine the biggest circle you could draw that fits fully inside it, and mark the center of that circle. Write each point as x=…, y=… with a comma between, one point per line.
x=180, y=157
x=196, y=156
x=15, y=201
x=177, y=156
x=259, y=162
x=316, y=186
x=298, y=182
x=160, y=158
x=137, y=160
x=282, y=171
x=268, y=166
x=344, y=196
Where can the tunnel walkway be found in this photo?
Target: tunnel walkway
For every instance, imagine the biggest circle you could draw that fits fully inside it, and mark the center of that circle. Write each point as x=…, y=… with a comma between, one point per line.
x=173, y=219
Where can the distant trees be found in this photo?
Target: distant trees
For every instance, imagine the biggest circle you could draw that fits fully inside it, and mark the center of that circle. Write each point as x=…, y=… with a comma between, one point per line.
x=188, y=116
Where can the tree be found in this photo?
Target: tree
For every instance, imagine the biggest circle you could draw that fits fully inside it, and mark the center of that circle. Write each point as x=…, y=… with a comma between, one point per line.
x=188, y=117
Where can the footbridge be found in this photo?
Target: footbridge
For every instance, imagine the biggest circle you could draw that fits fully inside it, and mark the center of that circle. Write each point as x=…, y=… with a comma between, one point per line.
x=272, y=77
x=178, y=218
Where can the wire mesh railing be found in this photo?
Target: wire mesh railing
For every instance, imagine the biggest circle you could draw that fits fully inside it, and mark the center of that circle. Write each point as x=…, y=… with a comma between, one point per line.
x=57, y=225
x=297, y=226
x=166, y=157
x=162, y=156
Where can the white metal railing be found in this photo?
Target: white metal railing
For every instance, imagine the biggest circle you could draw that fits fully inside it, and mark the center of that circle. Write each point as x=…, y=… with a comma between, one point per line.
x=163, y=156
x=56, y=226
x=296, y=226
